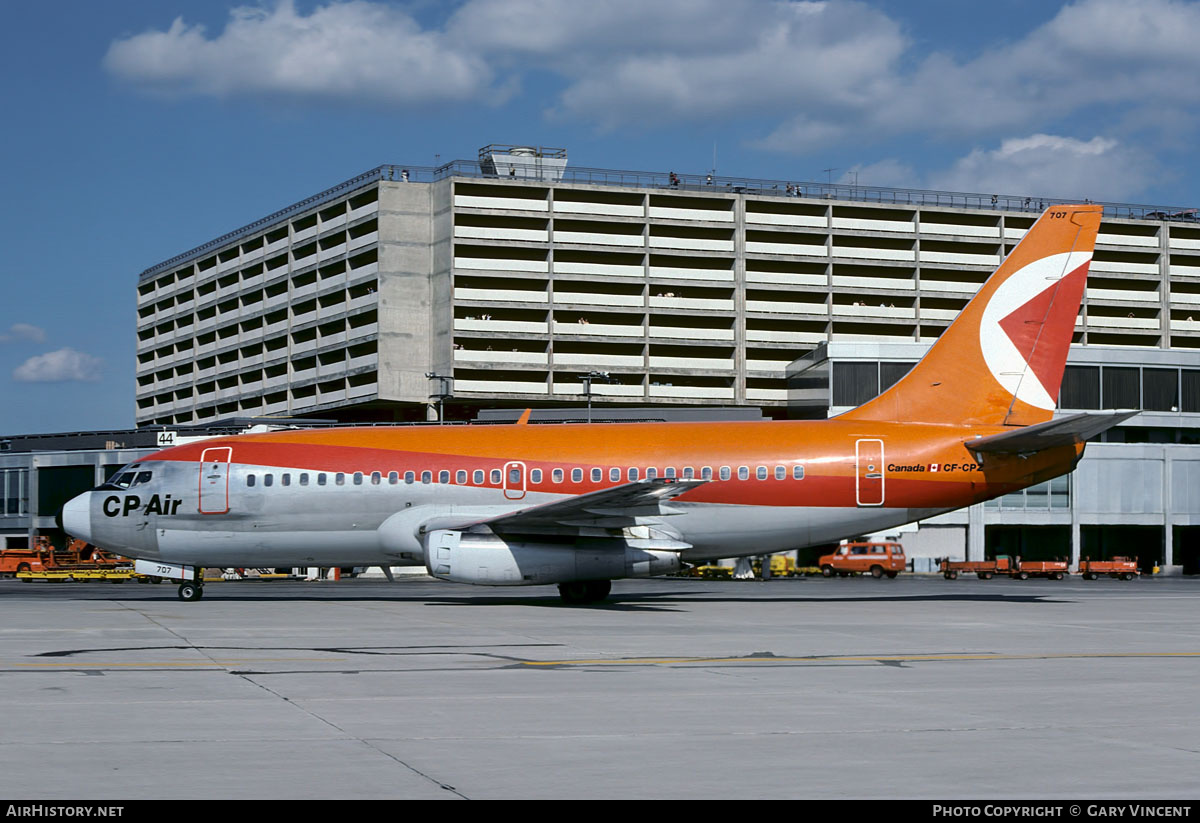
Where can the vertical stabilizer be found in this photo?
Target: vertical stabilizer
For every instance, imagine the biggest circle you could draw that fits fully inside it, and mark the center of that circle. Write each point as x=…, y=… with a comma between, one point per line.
x=1001, y=361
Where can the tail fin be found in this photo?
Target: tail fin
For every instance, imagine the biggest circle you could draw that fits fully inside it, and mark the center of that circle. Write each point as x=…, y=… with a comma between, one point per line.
x=1001, y=361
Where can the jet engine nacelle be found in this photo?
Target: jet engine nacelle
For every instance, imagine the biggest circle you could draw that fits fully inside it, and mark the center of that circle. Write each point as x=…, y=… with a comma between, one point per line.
x=491, y=560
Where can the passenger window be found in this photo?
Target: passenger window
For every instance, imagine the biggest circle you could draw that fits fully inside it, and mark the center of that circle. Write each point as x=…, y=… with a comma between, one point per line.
x=460, y=477
x=514, y=477
x=321, y=479
x=688, y=473
x=743, y=473
x=376, y=478
x=780, y=473
x=706, y=473
x=797, y=472
x=670, y=472
x=576, y=475
x=358, y=476
x=268, y=479
x=410, y=478
x=761, y=473
x=426, y=476
x=557, y=475
x=339, y=479
x=304, y=478
x=250, y=480
x=535, y=476
x=286, y=479
x=393, y=478
x=725, y=473
x=477, y=477
x=651, y=473
x=495, y=477
x=443, y=476
x=633, y=474
x=597, y=475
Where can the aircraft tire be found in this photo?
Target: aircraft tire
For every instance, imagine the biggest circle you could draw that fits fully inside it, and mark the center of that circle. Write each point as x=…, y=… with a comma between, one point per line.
x=189, y=592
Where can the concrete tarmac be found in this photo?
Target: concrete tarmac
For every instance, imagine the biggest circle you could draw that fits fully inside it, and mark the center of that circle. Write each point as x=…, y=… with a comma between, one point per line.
x=799, y=688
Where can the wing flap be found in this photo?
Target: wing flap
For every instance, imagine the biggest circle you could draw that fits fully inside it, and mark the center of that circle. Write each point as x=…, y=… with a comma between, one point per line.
x=1065, y=431
x=616, y=507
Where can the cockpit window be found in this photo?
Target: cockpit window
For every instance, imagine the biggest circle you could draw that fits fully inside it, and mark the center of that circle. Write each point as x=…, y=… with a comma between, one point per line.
x=127, y=477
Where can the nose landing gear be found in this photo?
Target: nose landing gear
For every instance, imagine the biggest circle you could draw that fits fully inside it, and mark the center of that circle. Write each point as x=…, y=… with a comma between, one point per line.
x=190, y=590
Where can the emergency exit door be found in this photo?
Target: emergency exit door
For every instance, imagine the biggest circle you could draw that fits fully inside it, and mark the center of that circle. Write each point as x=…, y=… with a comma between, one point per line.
x=868, y=456
x=214, y=479
x=514, y=480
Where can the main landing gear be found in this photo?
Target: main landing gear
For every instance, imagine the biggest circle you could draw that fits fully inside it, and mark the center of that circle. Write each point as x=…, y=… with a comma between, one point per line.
x=582, y=592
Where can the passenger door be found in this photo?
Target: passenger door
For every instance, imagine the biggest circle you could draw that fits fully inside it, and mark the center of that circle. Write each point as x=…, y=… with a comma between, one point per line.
x=214, y=479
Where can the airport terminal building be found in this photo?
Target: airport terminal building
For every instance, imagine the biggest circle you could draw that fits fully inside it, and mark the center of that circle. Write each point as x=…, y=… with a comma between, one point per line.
x=516, y=281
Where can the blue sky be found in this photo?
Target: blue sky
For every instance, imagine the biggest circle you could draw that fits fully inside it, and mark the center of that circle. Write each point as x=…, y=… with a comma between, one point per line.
x=137, y=130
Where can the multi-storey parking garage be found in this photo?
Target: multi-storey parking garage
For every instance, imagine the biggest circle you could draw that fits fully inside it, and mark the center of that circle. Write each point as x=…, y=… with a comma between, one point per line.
x=685, y=290
x=515, y=281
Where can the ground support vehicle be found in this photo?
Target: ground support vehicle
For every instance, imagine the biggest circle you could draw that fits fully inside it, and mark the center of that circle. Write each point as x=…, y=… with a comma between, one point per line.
x=875, y=559
x=42, y=558
x=1007, y=566
x=115, y=575
x=1124, y=568
x=713, y=572
x=780, y=566
x=1052, y=569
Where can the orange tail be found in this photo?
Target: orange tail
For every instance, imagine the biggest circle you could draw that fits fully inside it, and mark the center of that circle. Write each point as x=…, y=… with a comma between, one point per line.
x=1002, y=359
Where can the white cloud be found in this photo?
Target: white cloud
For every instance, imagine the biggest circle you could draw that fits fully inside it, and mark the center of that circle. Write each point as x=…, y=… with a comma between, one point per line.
x=23, y=331
x=59, y=366
x=341, y=51
x=1045, y=165
x=816, y=73
x=889, y=172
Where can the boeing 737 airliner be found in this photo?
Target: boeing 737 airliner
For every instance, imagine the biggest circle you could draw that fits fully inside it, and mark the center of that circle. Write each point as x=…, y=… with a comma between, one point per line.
x=582, y=505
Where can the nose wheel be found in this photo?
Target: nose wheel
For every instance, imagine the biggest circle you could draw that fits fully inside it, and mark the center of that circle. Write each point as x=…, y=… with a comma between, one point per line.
x=189, y=591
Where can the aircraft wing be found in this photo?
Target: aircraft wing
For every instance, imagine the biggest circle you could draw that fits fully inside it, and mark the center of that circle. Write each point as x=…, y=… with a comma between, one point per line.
x=616, y=507
x=1065, y=431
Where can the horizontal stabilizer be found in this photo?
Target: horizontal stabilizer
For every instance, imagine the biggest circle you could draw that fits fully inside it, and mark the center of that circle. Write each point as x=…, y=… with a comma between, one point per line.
x=1065, y=431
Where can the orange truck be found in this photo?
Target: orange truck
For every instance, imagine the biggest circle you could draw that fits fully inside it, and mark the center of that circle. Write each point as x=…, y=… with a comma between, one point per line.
x=1007, y=566
x=1124, y=568
x=875, y=559
x=43, y=557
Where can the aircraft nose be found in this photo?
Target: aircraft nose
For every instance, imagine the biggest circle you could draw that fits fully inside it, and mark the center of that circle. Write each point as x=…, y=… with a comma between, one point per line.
x=77, y=517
